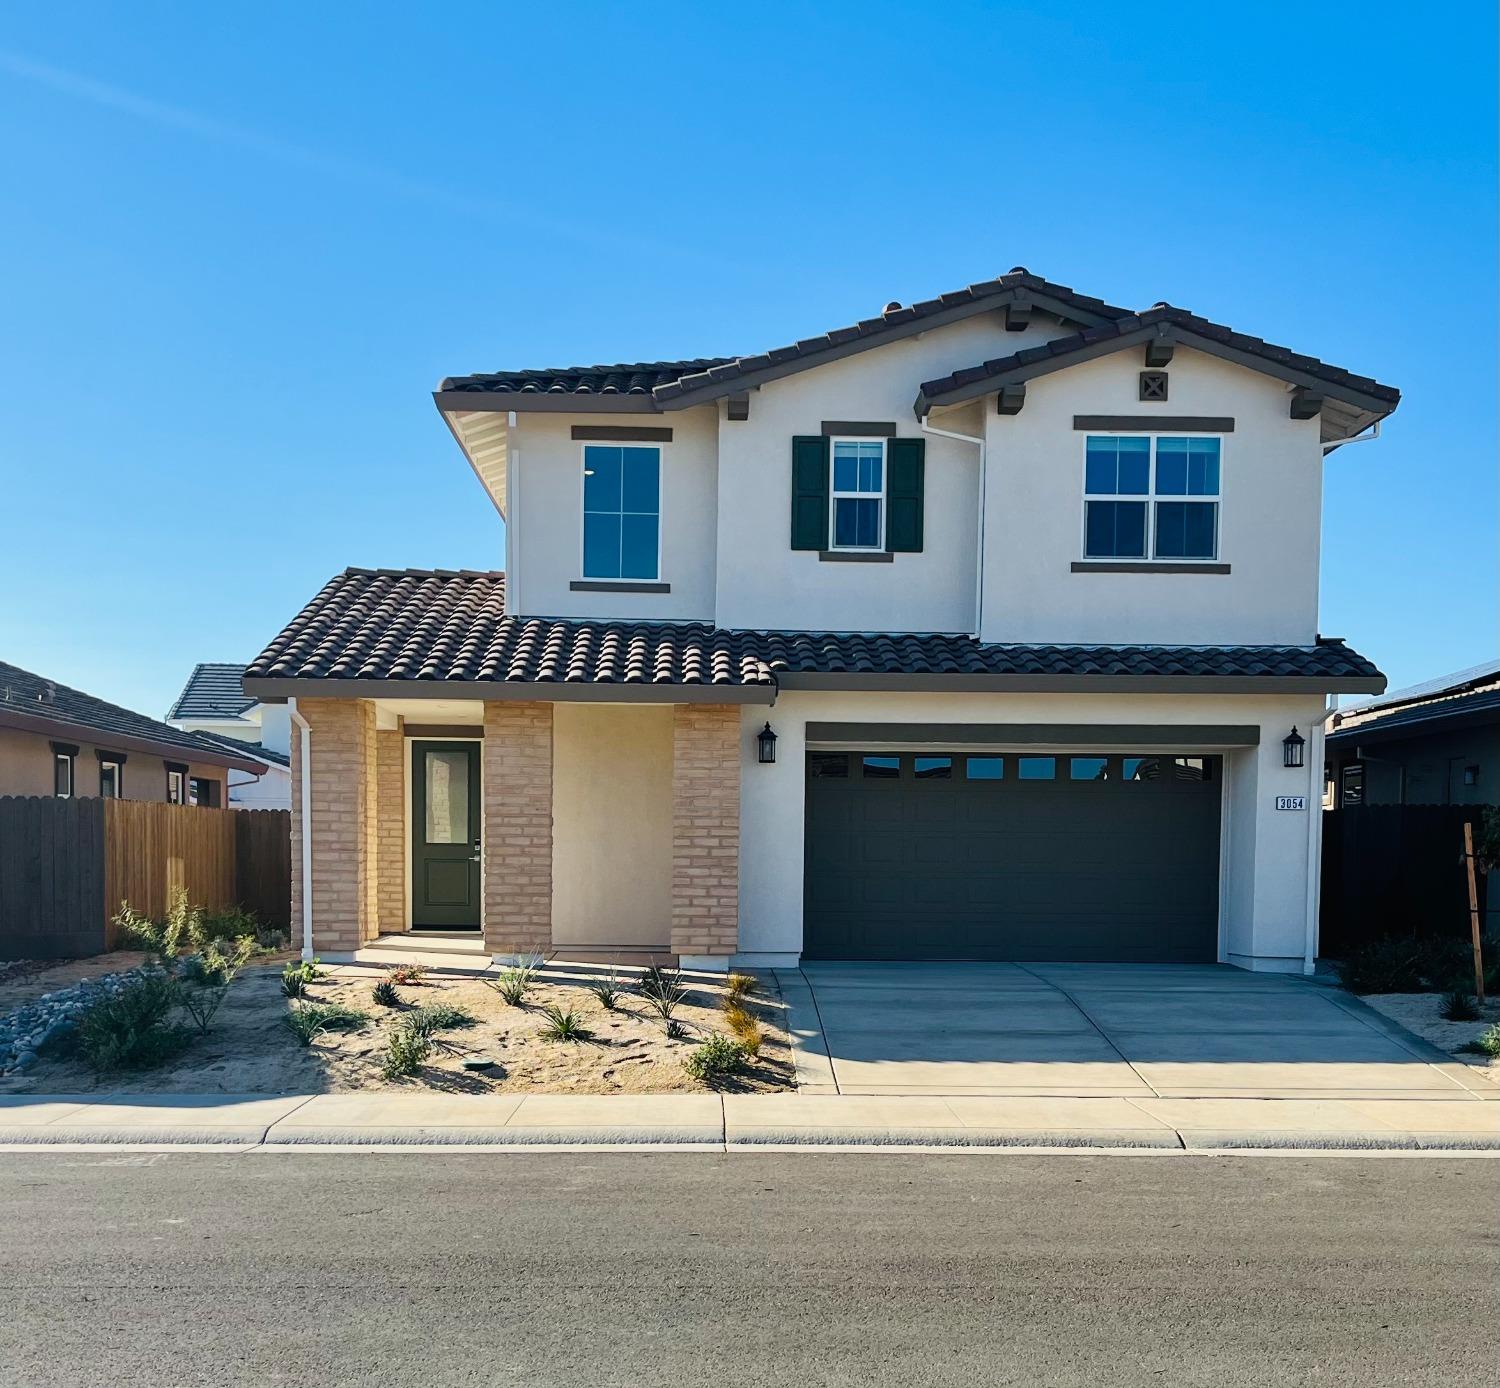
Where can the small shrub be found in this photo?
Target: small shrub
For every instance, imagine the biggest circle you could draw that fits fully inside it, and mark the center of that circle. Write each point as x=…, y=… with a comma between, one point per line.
x=1458, y=1006
x=296, y=977
x=408, y=975
x=438, y=1016
x=716, y=1060
x=745, y=1028
x=309, y=1020
x=1488, y=1042
x=131, y=1030
x=384, y=993
x=675, y=1029
x=607, y=991
x=1405, y=964
x=219, y=961
x=738, y=987
x=513, y=984
x=663, y=991
x=406, y=1050
x=563, y=1024
x=233, y=924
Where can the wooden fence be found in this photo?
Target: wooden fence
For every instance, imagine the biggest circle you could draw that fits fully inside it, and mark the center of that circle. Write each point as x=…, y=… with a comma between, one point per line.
x=1398, y=870
x=66, y=865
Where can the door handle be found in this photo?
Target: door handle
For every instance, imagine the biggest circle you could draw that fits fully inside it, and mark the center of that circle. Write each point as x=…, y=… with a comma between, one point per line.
x=475, y=856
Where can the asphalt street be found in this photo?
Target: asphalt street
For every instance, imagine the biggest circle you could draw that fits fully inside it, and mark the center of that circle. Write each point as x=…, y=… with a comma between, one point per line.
x=621, y=1268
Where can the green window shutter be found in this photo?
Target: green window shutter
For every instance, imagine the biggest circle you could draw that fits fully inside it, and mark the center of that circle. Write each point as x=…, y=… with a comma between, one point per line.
x=809, y=492
x=905, y=462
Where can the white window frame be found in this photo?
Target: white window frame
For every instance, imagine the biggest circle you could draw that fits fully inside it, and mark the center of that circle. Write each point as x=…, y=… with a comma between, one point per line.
x=661, y=504
x=119, y=767
x=69, y=760
x=834, y=495
x=176, y=787
x=1150, y=497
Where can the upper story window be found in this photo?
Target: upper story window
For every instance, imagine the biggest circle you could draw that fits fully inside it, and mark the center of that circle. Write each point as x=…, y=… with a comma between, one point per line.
x=1151, y=498
x=858, y=494
x=621, y=511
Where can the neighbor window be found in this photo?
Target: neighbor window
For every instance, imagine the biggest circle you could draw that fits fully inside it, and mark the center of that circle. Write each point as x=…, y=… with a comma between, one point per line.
x=1352, y=784
x=621, y=511
x=111, y=779
x=176, y=786
x=202, y=790
x=63, y=768
x=858, y=495
x=1151, y=498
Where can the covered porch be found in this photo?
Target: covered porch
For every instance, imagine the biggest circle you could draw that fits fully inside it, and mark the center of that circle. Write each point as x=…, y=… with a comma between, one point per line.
x=507, y=827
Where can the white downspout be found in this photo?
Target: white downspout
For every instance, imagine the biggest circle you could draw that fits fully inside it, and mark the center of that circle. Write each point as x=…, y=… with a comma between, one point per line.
x=979, y=538
x=1315, y=836
x=304, y=768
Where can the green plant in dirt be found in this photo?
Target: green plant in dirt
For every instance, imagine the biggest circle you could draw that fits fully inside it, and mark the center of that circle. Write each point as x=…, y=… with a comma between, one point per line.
x=384, y=993
x=563, y=1024
x=514, y=983
x=296, y=977
x=607, y=990
x=309, y=1020
x=232, y=923
x=132, y=1028
x=675, y=1029
x=663, y=991
x=207, y=976
x=745, y=1028
x=406, y=1049
x=738, y=987
x=716, y=1060
x=407, y=975
x=1459, y=1006
x=1488, y=1042
x=438, y=1016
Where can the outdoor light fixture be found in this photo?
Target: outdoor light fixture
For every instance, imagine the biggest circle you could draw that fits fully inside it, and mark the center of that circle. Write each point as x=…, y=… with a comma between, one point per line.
x=765, y=740
x=1291, y=748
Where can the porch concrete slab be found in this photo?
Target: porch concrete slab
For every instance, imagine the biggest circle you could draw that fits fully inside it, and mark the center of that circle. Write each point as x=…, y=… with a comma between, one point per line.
x=634, y=1118
x=396, y=1118
x=237, y=1119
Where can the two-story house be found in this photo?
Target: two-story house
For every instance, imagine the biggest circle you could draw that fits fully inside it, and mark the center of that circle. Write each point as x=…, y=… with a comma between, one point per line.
x=983, y=629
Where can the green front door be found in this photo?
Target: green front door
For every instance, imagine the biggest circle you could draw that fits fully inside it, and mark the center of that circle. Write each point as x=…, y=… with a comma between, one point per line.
x=445, y=835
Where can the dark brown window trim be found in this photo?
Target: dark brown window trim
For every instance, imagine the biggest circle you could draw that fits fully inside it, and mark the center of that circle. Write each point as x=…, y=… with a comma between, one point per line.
x=591, y=585
x=1092, y=566
x=181, y=766
x=858, y=429
x=621, y=433
x=444, y=730
x=105, y=755
x=65, y=749
x=1156, y=423
x=855, y=556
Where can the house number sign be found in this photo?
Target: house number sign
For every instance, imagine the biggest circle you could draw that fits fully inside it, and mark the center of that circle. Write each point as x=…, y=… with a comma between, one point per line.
x=1291, y=802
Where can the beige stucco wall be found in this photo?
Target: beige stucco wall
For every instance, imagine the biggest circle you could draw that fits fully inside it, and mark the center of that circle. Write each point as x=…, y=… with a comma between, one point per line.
x=612, y=826
x=26, y=768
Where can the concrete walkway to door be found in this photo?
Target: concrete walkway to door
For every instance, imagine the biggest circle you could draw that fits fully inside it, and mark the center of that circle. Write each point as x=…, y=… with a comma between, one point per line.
x=1100, y=1030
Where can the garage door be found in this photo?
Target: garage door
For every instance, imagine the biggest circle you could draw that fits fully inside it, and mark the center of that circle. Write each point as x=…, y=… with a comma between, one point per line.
x=1036, y=856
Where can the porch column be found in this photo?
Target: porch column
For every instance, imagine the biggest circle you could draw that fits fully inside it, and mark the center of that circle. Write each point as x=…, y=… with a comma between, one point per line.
x=517, y=890
x=390, y=829
x=342, y=824
x=705, y=834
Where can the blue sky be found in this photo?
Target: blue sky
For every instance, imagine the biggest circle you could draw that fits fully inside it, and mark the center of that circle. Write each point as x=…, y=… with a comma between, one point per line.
x=242, y=244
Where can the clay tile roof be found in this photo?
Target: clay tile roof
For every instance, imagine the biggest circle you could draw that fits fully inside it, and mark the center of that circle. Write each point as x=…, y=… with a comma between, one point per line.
x=395, y=625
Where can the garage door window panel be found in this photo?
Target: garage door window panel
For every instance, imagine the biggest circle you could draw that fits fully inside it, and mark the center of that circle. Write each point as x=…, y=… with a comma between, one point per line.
x=1036, y=768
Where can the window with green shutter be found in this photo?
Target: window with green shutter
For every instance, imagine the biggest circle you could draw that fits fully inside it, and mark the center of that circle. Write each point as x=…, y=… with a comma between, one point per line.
x=857, y=493
x=905, y=469
x=809, y=492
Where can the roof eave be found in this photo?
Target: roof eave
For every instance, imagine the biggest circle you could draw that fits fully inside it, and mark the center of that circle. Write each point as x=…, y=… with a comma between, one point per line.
x=545, y=401
x=277, y=689
x=124, y=742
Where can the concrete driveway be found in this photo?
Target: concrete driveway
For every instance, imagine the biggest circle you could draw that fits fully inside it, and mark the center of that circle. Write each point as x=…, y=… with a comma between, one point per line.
x=1084, y=1030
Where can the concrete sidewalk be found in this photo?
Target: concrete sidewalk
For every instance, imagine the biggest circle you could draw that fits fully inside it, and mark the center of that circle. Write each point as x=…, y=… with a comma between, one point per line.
x=730, y=1121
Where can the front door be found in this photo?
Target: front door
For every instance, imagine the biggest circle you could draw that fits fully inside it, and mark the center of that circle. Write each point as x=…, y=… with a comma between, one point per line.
x=445, y=835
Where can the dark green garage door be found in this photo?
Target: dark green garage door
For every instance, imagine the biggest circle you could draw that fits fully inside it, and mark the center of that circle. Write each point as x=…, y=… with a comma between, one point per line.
x=1041, y=856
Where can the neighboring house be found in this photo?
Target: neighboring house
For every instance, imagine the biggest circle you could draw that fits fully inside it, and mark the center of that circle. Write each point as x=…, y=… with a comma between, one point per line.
x=979, y=629
x=1436, y=743
x=59, y=741
x=213, y=704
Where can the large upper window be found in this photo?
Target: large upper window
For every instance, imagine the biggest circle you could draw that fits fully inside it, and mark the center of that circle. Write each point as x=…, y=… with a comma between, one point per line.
x=858, y=494
x=1151, y=498
x=621, y=511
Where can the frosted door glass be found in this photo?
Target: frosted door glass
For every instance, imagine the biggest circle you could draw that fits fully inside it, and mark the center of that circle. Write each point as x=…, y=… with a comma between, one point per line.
x=447, y=797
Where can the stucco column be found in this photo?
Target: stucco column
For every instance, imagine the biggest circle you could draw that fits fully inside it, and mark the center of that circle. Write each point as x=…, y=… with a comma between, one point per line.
x=342, y=823
x=517, y=887
x=705, y=834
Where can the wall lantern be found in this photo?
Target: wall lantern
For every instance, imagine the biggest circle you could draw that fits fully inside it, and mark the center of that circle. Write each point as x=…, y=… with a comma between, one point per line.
x=765, y=741
x=1291, y=748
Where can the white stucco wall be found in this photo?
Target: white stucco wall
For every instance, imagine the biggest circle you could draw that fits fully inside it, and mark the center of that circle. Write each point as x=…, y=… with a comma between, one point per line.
x=546, y=518
x=1264, y=863
x=273, y=791
x=1271, y=477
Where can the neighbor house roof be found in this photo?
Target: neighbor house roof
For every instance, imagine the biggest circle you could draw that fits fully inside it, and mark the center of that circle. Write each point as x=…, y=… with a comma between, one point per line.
x=1471, y=695
x=213, y=690
x=677, y=385
x=240, y=746
x=1165, y=323
x=33, y=703
x=410, y=633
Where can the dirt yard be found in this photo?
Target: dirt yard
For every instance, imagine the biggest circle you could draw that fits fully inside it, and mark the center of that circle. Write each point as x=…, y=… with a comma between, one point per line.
x=250, y=1050
x=1422, y=1013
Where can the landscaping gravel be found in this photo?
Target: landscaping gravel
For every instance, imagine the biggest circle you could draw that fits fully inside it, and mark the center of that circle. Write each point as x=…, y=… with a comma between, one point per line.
x=26, y=1029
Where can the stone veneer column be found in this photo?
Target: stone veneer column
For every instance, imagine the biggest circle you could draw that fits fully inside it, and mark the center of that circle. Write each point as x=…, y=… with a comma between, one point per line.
x=517, y=886
x=705, y=833
x=342, y=823
x=390, y=829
